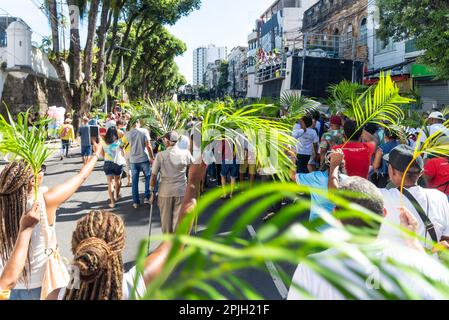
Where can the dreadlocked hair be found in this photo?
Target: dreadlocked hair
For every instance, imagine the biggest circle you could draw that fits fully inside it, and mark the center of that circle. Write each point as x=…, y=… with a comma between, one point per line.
x=97, y=245
x=14, y=183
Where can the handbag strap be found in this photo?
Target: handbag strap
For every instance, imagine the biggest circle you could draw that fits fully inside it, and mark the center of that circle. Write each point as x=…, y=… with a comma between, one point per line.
x=49, y=237
x=430, y=228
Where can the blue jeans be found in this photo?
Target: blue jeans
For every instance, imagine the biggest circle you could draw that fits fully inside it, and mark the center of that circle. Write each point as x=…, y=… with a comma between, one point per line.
x=65, y=147
x=136, y=168
x=212, y=170
x=24, y=294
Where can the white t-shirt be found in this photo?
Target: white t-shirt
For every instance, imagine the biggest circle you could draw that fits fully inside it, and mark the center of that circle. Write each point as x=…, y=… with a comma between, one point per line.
x=433, y=202
x=306, y=139
x=367, y=287
x=127, y=286
x=435, y=128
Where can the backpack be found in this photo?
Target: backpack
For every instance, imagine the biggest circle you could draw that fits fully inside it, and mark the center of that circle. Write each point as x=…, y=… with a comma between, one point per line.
x=65, y=131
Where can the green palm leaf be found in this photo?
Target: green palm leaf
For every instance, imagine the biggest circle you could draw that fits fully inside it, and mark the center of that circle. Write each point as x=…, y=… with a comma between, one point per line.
x=381, y=104
x=297, y=105
x=210, y=259
x=24, y=141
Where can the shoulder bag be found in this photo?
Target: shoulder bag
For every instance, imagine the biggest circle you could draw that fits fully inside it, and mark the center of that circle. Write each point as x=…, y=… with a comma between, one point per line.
x=55, y=274
x=430, y=228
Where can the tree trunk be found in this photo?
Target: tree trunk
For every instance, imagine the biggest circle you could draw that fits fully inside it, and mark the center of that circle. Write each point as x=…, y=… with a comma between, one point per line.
x=52, y=8
x=87, y=90
x=54, y=23
x=106, y=16
x=75, y=64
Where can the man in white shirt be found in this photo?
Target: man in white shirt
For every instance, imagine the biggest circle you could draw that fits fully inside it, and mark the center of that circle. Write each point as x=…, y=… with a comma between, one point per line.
x=433, y=202
x=435, y=122
x=172, y=165
x=365, y=279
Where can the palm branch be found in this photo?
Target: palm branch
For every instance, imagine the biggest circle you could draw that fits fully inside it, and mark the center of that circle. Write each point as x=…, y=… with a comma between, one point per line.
x=211, y=266
x=380, y=104
x=436, y=144
x=270, y=138
x=297, y=105
x=445, y=112
x=161, y=117
x=25, y=142
x=341, y=96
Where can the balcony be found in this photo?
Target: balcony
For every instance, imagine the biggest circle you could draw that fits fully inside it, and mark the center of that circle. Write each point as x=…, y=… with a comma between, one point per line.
x=271, y=71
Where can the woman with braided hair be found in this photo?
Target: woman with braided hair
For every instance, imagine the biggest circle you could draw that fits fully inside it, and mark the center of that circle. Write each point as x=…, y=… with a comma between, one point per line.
x=97, y=245
x=17, y=197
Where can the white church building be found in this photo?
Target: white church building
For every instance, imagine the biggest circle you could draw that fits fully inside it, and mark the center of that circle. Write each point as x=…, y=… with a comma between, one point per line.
x=18, y=58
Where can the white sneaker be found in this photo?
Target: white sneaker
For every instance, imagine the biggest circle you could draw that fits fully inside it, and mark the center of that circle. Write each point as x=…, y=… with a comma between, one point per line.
x=135, y=205
x=147, y=201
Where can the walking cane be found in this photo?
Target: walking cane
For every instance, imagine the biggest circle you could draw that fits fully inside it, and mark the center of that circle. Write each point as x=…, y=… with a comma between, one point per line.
x=151, y=219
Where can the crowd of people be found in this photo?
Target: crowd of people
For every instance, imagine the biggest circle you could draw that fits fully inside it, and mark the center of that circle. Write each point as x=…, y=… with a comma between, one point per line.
x=331, y=153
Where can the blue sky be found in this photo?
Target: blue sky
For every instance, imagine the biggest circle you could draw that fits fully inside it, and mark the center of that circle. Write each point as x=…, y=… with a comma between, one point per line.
x=220, y=22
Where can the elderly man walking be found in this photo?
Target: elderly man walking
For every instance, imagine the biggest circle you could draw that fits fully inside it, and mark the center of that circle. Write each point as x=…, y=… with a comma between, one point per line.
x=172, y=165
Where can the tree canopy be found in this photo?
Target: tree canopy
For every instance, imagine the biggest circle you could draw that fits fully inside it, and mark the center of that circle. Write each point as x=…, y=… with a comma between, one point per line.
x=426, y=21
x=129, y=29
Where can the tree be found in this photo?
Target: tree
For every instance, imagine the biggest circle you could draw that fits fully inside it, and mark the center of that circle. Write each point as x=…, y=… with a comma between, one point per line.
x=426, y=21
x=87, y=76
x=151, y=71
x=223, y=81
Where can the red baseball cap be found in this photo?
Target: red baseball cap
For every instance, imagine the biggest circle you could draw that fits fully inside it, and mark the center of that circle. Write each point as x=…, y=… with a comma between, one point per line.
x=335, y=120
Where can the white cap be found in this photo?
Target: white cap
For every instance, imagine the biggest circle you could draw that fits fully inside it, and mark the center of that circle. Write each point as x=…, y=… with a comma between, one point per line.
x=436, y=115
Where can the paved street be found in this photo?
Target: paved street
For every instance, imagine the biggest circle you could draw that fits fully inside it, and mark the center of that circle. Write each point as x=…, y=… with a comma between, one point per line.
x=93, y=195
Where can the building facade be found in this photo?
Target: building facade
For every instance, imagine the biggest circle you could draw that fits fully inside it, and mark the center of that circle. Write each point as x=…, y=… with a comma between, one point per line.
x=199, y=65
x=237, y=69
x=212, y=75
x=27, y=78
x=399, y=58
x=277, y=29
x=201, y=58
x=338, y=25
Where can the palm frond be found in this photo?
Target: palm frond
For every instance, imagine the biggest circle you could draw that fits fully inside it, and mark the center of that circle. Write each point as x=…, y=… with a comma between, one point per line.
x=210, y=261
x=381, y=104
x=341, y=96
x=297, y=105
x=24, y=141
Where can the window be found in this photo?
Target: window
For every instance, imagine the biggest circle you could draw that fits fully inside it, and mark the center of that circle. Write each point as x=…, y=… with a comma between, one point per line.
x=363, y=35
x=349, y=32
x=383, y=47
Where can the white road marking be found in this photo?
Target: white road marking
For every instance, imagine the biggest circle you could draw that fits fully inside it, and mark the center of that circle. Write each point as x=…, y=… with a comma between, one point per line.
x=274, y=273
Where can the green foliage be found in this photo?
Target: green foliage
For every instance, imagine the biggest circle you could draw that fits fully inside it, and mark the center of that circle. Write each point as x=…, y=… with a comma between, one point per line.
x=297, y=105
x=422, y=20
x=153, y=73
x=24, y=141
x=210, y=261
x=341, y=96
x=380, y=104
x=223, y=81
